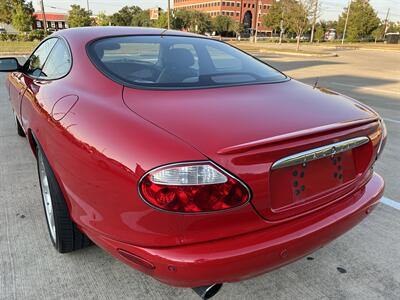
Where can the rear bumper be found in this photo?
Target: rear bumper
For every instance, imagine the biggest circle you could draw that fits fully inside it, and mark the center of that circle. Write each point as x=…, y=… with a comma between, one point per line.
x=249, y=255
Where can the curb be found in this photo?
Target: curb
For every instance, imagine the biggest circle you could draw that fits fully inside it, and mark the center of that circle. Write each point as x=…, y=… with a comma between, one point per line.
x=303, y=54
x=14, y=53
x=300, y=53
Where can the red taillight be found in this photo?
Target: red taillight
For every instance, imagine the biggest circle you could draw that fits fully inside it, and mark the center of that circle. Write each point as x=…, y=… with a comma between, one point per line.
x=192, y=188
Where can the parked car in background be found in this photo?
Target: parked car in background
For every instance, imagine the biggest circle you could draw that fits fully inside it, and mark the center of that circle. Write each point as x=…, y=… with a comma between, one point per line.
x=188, y=159
x=330, y=35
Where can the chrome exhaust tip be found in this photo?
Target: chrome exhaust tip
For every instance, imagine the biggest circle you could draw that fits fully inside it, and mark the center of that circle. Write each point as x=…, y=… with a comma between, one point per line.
x=208, y=291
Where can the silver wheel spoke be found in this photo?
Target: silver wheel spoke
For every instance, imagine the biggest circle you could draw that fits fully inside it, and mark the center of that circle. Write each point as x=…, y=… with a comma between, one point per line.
x=48, y=205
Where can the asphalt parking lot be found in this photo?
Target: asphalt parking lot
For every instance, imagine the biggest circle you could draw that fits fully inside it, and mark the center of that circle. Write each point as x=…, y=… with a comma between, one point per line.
x=362, y=264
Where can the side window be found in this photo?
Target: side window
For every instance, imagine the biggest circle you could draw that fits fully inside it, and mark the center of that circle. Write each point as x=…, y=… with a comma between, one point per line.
x=192, y=50
x=58, y=62
x=36, y=61
x=224, y=62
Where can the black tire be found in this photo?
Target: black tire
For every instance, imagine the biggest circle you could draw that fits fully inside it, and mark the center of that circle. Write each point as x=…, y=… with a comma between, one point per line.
x=20, y=131
x=67, y=237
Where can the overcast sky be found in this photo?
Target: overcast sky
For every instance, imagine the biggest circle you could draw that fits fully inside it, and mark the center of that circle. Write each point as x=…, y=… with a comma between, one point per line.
x=330, y=9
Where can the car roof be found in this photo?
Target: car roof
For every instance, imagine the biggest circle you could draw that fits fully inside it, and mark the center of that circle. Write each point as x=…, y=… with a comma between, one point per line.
x=86, y=34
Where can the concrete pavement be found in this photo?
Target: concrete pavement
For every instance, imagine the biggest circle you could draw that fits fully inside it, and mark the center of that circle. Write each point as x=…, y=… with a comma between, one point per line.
x=362, y=264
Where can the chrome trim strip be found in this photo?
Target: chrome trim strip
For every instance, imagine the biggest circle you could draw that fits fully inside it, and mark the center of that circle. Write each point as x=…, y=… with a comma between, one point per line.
x=318, y=153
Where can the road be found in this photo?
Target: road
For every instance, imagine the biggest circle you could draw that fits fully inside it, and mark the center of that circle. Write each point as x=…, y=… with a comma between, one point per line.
x=362, y=264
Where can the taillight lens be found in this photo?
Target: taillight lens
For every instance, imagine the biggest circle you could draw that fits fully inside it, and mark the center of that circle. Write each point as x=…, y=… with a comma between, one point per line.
x=192, y=188
x=383, y=138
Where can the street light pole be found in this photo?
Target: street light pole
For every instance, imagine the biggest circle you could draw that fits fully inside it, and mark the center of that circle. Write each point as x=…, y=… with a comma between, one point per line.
x=257, y=19
x=281, y=30
x=44, y=16
x=169, y=14
x=314, y=20
x=87, y=4
x=347, y=20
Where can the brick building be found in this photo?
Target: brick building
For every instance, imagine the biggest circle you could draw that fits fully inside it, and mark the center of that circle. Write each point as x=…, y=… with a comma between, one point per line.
x=55, y=21
x=243, y=11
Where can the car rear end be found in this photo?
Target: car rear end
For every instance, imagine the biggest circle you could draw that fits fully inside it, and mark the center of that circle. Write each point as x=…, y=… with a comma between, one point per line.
x=298, y=206
x=284, y=168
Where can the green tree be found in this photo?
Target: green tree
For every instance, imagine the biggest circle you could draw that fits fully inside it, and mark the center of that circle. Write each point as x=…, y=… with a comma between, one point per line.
x=320, y=32
x=393, y=27
x=223, y=24
x=293, y=15
x=193, y=21
x=200, y=22
x=124, y=17
x=181, y=19
x=362, y=21
x=6, y=8
x=79, y=17
x=142, y=19
x=298, y=20
x=330, y=25
x=162, y=21
x=275, y=15
x=102, y=19
x=22, y=15
x=237, y=27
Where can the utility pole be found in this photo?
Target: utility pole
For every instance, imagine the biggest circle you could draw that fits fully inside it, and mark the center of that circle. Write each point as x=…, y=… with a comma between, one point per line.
x=347, y=20
x=87, y=5
x=169, y=14
x=314, y=21
x=44, y=16
x=257, y=17
x=281, y=31
x=241, y=12
x=386, y=22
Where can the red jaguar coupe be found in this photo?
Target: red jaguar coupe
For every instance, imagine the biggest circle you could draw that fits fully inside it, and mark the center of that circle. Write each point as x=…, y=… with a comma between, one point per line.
x=187, y=158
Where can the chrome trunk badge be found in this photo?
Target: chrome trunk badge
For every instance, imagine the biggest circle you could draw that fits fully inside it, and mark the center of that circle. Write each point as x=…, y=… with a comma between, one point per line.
x=319, y=153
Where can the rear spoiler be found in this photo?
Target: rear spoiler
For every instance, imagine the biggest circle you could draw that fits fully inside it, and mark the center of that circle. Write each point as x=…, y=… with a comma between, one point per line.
x=294, y=135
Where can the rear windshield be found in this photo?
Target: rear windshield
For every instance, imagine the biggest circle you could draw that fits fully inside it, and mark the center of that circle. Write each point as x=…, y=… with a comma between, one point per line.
x=175, y=62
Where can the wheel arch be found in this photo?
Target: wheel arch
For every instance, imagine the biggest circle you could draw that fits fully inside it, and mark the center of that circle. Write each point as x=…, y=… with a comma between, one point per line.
x=34, y=143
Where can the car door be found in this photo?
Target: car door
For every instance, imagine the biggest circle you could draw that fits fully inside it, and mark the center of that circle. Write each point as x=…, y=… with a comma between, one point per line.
x=16, y=89
x=21, y=81
x=43, y=86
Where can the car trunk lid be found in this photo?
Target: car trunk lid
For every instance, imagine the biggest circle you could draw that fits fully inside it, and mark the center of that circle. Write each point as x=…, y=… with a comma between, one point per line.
x=246, y=129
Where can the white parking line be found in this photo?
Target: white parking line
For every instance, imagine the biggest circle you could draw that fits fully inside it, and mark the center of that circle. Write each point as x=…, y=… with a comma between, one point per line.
x=390, y=202
x=392, y=120
x=367, y=88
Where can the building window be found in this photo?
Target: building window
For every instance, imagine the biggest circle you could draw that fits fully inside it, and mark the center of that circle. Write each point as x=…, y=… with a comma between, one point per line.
x=38, y=24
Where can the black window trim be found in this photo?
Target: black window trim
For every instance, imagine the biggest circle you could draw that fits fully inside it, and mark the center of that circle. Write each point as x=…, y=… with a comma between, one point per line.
x=39, y=78
x=93, y=59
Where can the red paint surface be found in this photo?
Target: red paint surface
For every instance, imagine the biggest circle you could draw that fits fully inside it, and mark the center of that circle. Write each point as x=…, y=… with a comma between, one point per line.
x=108, y=139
